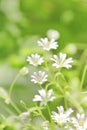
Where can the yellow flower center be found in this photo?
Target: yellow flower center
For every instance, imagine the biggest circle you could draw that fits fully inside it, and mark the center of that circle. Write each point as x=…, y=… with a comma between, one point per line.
x=61, y=119
x=35, y=61
x=39, y=79
x=47, y=45
x=81, y=122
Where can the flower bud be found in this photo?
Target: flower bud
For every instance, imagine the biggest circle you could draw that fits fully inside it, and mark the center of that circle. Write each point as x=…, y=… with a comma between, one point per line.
x=53, y=34
x=4, y=95
x=24, y=71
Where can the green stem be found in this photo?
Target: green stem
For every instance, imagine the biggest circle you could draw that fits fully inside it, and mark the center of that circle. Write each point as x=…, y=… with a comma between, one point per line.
x=45, y=55
x=31, y=127
x=63, y=77
x=7, y=109
x=83, y=77
x=23, y=105
x=65, y=102
x=60, y=89
x=49, y=111
x=12, y=85
x=40, y=112
x=52, y=123
x=48, y=85
x=10, y=92
x=58, y=96
x=41, y=86
x=57, y=74
x=15, y=107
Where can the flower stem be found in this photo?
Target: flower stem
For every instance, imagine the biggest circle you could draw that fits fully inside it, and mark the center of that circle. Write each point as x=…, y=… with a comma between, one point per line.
x=7, y=109
x=48, y=85
x=41, y=86
x=83, y=77
x=15, y=107
x=65, y=102
x=12, y=85
x=49, y=111
x=40, y=112
x=63, y=77
x=60, y=89
x=52, y=123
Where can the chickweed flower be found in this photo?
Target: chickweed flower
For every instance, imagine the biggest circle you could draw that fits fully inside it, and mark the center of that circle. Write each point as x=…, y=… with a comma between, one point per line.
x=39, y=77
x=45, y=125
x=44, y=97
x=47, y=44
x=35, y=59
x=61, y=117
x=69, y=128
x=53, y=34
x=25, y=118
x=80, y=122
x=61, y=61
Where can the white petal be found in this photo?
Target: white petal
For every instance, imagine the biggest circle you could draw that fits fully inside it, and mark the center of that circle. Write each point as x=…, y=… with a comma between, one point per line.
x=37, y=98
x=42, y=93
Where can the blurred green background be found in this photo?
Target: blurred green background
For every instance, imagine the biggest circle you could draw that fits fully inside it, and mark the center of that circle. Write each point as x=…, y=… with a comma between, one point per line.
x=22, y=22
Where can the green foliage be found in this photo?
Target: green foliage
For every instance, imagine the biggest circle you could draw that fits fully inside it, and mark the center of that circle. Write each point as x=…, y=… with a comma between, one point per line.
x=21, y=18
x=22, y=23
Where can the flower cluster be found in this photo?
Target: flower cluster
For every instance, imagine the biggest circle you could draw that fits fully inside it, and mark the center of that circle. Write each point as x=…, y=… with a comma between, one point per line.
x=40, y=77
x=58, y=61
x=47, y=75
x=70, y=123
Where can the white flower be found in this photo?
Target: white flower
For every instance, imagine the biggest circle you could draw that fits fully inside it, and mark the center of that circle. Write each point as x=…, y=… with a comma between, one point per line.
x=39, y=77
x=61, y=61
x=45, y=125
x=69, y=128
x=47, y=44
x=35, y=59
x=53, y=34
x=25, y=118
x=61, y=117
x=80, y=122
x=44, y=97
